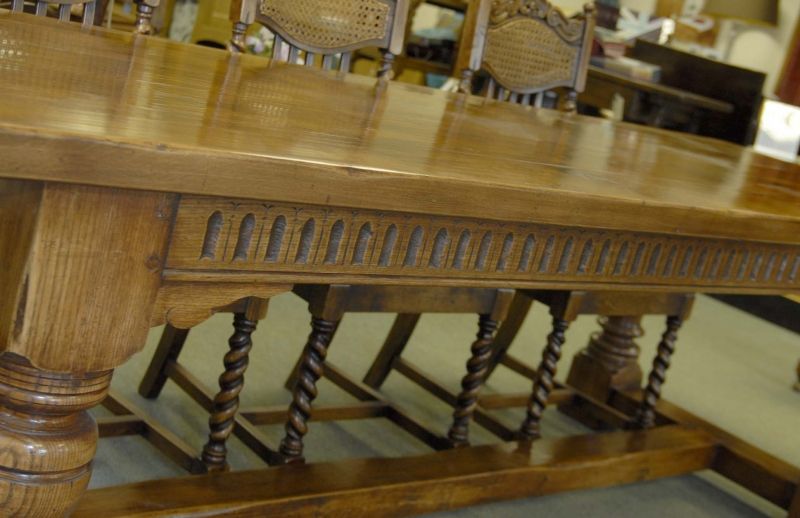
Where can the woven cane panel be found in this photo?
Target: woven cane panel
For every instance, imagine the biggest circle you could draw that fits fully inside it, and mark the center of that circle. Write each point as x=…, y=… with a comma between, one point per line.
x=525, y=55
x=328, y=24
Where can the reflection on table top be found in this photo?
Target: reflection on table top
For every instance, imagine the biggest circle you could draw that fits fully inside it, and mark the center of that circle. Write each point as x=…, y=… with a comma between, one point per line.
x=108, y=108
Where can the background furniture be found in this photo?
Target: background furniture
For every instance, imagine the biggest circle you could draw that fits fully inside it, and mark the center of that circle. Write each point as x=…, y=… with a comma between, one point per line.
x=650, y=103
x=329, y=29
x=726, y=83
x=89, y=17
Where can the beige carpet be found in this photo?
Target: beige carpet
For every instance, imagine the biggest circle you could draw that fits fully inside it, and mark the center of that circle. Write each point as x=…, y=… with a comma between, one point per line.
x=731, y=368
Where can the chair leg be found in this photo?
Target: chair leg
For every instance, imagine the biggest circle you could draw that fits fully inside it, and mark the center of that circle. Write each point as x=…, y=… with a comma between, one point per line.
x=797, y=385
x=291, y=379
x=645, y=415
x=544, y=380
x=169, y=347
x=226, y=402
x=477, y=367
x=395, y=343
x=520, y=306
x=305, y=390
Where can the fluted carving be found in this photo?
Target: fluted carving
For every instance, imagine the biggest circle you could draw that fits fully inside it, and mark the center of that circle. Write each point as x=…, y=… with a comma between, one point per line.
x=477, y=369
x=544, y=380
x=226, y=402
x=305, y=389
x=645, y=416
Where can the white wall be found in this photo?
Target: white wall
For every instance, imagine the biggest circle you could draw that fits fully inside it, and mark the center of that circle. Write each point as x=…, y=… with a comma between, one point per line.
x=765, y=49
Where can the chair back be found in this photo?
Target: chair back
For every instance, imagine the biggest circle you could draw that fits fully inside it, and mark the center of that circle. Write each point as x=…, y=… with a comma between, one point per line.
x=64, y=9
x=527, y=47
x=332, y=29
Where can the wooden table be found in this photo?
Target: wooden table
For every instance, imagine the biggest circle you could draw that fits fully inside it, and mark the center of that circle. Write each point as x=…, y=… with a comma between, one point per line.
x=145, y=181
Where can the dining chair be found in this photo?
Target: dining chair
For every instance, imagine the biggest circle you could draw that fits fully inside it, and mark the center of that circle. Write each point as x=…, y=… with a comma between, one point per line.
x=64, y=9
x=330, y=29
x=93, y=11
x=526, y=49
x=304, y=30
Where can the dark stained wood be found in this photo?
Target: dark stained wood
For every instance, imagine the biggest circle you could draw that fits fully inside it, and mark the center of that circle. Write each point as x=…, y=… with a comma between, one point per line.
x=168, y=349
x=544, y=166
x=226, y=401
x=414, y=485
x=645, y=415
x=543, y=384
x=483, y=418
x=305, y=389
x=740, y=87
x=243, y=429
x=517, y=312
x=393, y=346
x=327, y=304
x=473, y=380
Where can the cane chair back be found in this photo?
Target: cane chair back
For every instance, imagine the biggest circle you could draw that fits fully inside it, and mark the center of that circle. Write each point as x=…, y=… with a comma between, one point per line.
x=332, y=29
x=64, y=9
x=526, y=47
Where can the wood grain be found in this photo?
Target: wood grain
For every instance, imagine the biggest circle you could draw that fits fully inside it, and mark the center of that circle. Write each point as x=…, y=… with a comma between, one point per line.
x=415, y=485
x=325, y=138
x=65, y=288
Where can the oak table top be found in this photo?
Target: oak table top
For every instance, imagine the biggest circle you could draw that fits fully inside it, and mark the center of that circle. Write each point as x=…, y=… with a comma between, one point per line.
x=196, y=120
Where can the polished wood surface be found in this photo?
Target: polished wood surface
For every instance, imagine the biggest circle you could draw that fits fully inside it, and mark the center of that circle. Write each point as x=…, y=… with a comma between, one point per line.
x=196, y=112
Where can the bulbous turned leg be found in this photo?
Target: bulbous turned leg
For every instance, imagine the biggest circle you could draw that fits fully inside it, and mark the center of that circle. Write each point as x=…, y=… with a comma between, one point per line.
x=477, y=369
x=47, y=439
x=305, y=389
x=226, y=402
x=544, y=380
x=645, y=415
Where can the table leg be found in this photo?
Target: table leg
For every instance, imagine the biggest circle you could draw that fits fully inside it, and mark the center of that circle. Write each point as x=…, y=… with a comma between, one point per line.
x=610, y=362
x=81, y=270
